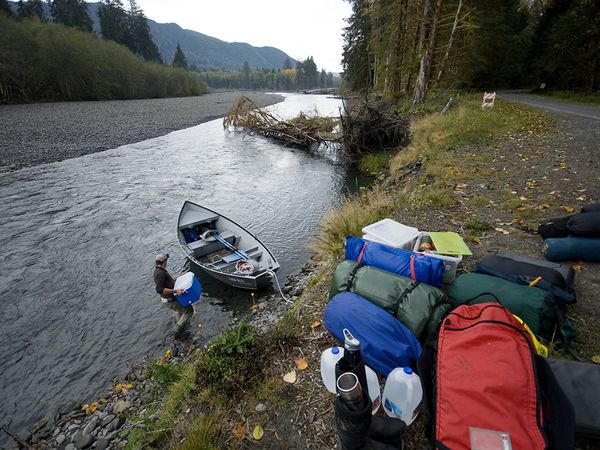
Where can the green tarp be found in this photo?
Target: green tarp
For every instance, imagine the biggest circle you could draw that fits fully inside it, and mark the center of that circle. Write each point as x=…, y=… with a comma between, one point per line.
x=418, y=306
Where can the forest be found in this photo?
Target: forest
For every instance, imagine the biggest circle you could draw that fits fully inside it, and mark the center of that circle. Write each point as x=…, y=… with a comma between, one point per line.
x=304, y=76
x=66, y=61
x=412, y=48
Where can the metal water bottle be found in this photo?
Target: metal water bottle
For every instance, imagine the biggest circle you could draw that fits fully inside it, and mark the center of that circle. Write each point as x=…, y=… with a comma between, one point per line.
x=352, y=362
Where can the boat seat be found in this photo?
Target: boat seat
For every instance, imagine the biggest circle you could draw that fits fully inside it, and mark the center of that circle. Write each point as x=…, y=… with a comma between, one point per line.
x=253, y=253
x=202, y=248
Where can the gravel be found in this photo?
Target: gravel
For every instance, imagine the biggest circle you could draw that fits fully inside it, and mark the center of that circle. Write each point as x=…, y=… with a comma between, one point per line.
x=46, y=132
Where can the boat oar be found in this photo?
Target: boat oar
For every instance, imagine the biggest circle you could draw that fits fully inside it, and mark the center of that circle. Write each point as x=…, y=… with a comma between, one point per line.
x=239, y=253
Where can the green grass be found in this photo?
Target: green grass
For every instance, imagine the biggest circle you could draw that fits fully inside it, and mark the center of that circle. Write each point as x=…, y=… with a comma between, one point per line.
x=374, y=163
x=435, y=137
x=230, y=361
x=353, y=214
x=177, y=390
x=478, y=226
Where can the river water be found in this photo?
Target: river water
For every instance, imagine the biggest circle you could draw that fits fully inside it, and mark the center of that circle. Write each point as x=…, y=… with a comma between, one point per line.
x=78, y=238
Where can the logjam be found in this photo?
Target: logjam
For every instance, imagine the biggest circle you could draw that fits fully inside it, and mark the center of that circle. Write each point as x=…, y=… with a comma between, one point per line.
x=302, y=130
x=370, y=126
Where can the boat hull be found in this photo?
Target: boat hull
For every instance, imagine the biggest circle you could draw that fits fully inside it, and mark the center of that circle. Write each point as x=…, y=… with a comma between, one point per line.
x=218, y=259
x=238, y=281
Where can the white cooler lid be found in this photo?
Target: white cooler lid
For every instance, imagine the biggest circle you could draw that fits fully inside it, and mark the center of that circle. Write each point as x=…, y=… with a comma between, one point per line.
x=184, y=281
x=391, y=232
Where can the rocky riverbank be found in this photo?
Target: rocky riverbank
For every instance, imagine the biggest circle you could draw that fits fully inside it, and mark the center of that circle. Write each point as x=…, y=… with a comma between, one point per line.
x=107, y=422
x=47, y=132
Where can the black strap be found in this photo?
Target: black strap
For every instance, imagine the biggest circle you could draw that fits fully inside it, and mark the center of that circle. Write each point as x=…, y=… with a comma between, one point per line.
x=352, y=276
x=411, y=287
x=470, y=300
x=440, y=446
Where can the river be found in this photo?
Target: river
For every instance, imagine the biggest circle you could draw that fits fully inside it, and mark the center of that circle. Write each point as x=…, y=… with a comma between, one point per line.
x=78, y=238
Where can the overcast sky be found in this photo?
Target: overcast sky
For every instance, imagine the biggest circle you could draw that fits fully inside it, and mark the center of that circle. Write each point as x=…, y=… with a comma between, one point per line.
x=299, y=28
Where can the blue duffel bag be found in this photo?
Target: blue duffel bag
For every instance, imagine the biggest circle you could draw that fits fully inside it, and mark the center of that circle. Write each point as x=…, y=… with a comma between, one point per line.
x=384, y=342
x=409, y=264
x=572, y=249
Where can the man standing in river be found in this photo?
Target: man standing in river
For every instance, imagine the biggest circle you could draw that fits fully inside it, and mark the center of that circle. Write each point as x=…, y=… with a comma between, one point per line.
x=165, y=286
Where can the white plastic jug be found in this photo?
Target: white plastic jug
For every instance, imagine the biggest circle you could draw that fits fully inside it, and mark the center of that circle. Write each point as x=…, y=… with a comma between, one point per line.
x=402, y=394
x=330, y=357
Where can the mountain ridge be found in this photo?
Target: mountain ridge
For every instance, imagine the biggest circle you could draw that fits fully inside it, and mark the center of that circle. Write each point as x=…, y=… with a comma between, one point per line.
x=202, y=52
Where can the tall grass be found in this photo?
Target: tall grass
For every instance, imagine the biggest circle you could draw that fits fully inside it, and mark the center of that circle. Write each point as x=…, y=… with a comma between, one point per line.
x=353, y=214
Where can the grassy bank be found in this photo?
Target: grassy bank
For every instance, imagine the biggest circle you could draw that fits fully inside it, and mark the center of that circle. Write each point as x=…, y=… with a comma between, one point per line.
x=489, y=175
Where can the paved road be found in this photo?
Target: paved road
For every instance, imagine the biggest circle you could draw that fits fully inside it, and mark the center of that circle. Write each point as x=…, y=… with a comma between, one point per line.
x=561, y=106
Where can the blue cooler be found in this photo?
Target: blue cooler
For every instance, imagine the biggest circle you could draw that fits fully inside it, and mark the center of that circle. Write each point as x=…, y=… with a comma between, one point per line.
x=192, y=288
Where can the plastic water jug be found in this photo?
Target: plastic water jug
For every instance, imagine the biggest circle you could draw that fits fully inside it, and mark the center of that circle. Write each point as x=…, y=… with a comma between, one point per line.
x=402, y=394
x=329, y=359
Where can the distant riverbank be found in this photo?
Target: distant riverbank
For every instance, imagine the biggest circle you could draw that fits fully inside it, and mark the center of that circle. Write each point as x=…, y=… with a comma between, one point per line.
x=46, y=132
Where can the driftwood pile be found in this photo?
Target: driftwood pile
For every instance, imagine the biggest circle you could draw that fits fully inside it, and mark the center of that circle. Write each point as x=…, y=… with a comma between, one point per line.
x=302, y=130
x=371, y=126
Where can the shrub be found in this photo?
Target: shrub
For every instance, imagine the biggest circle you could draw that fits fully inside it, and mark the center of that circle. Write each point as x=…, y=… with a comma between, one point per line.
x=230, y=361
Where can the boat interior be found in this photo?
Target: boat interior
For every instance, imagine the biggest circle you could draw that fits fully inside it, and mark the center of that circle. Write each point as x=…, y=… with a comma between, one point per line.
x=211, y=252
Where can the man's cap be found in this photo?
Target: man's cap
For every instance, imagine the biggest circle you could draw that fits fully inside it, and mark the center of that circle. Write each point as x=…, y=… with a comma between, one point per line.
x=161, y=257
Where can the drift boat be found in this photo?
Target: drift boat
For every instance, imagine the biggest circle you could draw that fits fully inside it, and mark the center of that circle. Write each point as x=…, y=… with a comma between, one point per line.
x=224, y=249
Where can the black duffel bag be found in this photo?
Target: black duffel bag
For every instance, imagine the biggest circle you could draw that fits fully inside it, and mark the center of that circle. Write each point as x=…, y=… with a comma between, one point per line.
x=579, y=382
x=549, y=276
x=584, y=224
x=593, y=207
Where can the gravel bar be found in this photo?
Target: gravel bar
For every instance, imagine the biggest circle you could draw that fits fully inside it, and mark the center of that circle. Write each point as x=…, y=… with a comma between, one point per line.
x=46, y=132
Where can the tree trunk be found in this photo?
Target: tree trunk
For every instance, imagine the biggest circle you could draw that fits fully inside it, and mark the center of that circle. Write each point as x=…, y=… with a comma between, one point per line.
x=427, y=58
x=450, y=40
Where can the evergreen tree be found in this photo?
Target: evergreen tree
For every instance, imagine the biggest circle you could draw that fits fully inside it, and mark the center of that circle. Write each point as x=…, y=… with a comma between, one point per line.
x=114, y=21
x=71, y=13
x=246, y=75
x=311, y=74
x=30, y=9
x=287, y=64
x=323, y=79
x=5, y=8
x=300, y=79
x=140, y=39
x=355, y=56
x=180, y=60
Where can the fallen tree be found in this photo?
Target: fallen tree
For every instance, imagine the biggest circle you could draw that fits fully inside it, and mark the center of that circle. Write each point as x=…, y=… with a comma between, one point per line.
x=371, y=126
x=302, y=130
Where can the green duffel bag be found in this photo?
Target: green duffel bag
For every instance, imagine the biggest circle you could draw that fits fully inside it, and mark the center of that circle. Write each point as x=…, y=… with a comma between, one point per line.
x=418, y=306
x=536, y=307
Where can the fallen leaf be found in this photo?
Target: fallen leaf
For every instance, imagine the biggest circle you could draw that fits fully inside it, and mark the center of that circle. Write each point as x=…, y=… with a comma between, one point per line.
x=290, y=377
x=90, y=409
x=254, y=307
x=596, y=359
x=315, y=324
x=502, y=230
x=123, y=388
x=239, y=431
x=582, y=198
x=544, y=206
x=567, y=209
x=522, y=198
x=301, y=363
x=578, y=267
x=258, y=432
x=476, y=240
